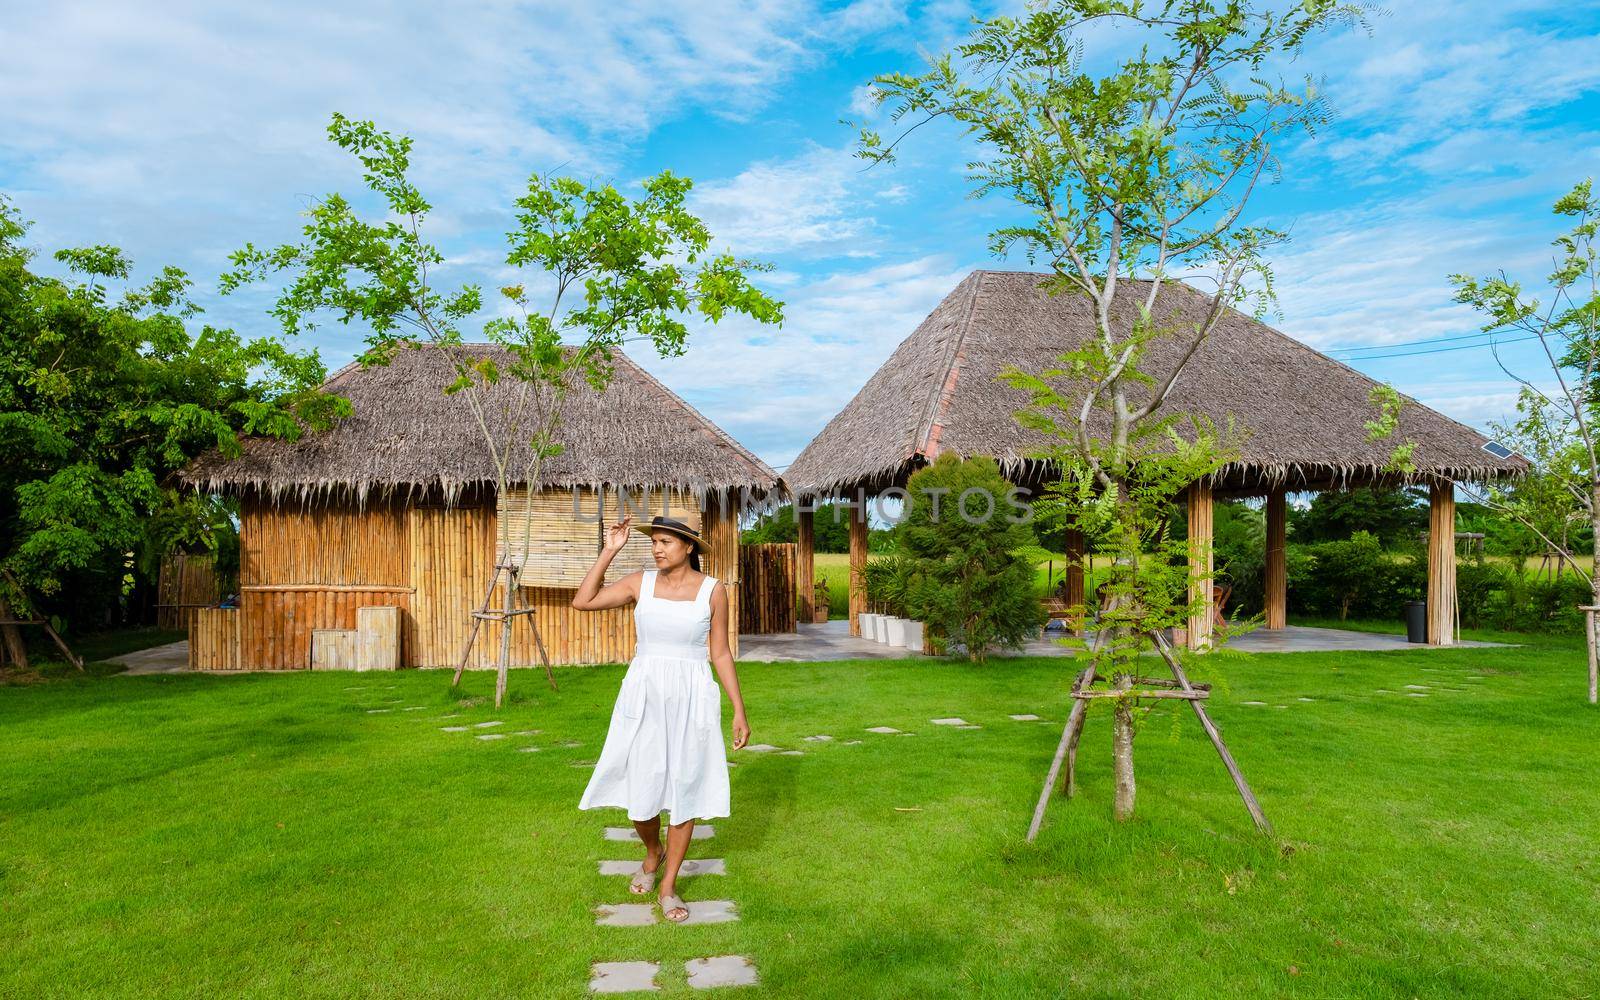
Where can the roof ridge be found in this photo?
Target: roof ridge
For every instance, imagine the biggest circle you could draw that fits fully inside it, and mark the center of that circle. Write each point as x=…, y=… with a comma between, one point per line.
x=706, y=425
x=944, y=390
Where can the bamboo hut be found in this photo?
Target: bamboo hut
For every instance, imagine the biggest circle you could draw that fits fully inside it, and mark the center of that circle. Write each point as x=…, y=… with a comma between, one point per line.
x=1303, y=414
x=396, y=507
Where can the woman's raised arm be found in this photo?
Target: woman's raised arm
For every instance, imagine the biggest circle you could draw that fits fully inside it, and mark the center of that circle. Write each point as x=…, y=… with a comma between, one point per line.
x=591, y=596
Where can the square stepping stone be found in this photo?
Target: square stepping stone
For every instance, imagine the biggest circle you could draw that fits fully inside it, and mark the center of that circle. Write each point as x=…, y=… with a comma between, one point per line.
x=623, y=977
x=581, y=763
x=627, y=914
x=851, y=743
x=733, y=763
x=952, y=721
x=970, y=725
x=492, y=736
x=791, y=753
x=710, y=911
x=1415, y=694
x=882, y=729
x=486, y=725
x=691, y=866
x=415, y=708
x=1261, y=703
x=572, y=743
x=452, y=729
x=1304, y=698
x=529, y=749
x=702, y=831
x=1416, y=687
x=819, y=738
x=378, y=711
x=1026, y=718
x=527, y=732
x=720, y=970
x=760, y=747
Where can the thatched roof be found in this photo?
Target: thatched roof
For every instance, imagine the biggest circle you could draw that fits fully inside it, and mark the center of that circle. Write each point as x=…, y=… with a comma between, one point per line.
x=406, y=437
x=1303, y=412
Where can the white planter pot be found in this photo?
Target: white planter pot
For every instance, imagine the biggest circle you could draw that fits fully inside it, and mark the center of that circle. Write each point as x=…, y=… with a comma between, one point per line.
x=880, y=628
x=897, y=631
x=914, y=635
x=865, y=618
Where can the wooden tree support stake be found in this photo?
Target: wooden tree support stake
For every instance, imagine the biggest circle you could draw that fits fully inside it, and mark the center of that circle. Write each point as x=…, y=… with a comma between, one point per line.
x=506, y=614
x=1179, y=688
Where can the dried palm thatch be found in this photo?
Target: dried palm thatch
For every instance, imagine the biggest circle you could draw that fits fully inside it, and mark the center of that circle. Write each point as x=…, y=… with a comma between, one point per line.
x=407, y=438
x=1301, y=411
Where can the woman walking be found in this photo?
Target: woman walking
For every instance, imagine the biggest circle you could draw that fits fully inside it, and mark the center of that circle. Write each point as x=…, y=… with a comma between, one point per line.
x=664, y=747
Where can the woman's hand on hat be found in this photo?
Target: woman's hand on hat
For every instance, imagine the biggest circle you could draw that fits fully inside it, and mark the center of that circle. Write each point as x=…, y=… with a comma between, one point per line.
x=617, y=536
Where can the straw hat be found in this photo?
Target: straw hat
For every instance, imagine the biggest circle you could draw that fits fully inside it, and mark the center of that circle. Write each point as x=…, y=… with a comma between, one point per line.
x=677, y=527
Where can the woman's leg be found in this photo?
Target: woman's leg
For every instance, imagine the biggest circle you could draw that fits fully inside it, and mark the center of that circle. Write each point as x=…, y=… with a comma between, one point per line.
x=678, y=837
x=650, y=833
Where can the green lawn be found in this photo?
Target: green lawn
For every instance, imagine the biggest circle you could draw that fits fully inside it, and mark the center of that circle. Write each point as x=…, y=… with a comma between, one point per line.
x=272, y=835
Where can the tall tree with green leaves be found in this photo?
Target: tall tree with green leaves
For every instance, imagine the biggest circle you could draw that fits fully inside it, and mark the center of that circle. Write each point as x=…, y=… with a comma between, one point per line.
x=1558, y=417
x=1126, y=179
x=105, y=390
x=610, y=269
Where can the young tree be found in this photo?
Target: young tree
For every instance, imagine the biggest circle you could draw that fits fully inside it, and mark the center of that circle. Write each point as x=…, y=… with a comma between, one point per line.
x=1129, y=180
x=1557, y=429
x=102, y=397
x=613, y=269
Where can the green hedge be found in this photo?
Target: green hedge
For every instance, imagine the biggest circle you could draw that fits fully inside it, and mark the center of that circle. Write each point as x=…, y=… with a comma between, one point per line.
x=1359, y=578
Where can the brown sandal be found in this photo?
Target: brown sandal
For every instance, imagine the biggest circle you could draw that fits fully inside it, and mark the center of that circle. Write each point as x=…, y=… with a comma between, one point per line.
x=671, y=902
x=644, y=881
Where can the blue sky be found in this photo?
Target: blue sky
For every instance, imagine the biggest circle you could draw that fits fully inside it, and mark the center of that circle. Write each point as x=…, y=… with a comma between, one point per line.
x=180, y=130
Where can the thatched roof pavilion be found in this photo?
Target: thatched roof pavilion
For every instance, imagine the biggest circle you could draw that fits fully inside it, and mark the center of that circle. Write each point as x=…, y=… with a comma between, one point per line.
x=1303, y=413
x=407, y=438
x=395, y=508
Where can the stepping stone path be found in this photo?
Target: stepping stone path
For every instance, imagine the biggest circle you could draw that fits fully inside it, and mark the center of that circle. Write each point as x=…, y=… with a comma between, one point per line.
x=623, y=977
x=486, y=725
x=761, y=747
x=492, y=736
x=883, y=729
x=453, y=729
x=1026, y=718
x=952, y=721
x=791, y=753
x=702, y=973
x=819, y=738
x=529, y=749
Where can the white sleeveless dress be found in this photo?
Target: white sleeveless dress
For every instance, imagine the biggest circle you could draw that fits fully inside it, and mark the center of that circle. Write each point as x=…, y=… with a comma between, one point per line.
x=664, y=748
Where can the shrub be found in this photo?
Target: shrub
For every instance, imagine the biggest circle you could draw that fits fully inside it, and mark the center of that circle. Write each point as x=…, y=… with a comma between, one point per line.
x=965, y=579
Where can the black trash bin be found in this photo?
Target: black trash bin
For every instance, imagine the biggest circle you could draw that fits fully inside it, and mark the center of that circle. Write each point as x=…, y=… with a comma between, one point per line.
x=1416, y=621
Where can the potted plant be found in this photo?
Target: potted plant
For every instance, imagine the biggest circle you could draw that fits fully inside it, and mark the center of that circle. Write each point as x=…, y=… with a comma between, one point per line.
x=819, y=602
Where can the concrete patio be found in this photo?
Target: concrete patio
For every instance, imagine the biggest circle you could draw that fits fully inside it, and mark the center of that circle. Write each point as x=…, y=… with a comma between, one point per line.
x=832, y=641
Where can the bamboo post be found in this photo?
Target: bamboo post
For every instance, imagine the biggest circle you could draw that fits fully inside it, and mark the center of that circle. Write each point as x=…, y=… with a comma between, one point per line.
x=1277, y=570
x=1591, y=638
x=858, y=562
x=1074, y=576
x=1200, y=572
x=1228, y=762
x=804, y=560
x=1074, y=723
x=1441, y=563
x=507, y=620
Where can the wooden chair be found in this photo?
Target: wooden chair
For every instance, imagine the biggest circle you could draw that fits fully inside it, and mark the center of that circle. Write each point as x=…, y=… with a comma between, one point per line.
x=1219, y=601
x=1056, y=609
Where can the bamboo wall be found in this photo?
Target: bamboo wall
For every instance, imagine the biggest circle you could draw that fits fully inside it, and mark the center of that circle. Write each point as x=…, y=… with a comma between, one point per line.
x=311, y=569
x=188, y=582
x=766, y=588
x=214, y=639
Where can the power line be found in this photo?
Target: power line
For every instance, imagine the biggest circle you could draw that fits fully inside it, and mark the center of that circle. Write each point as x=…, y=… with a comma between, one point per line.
x=1443, y=350
x=1415, y=343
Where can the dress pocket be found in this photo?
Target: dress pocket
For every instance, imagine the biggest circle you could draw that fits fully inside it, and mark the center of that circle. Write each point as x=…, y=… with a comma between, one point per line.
x=630, y=698
x=709, y=709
